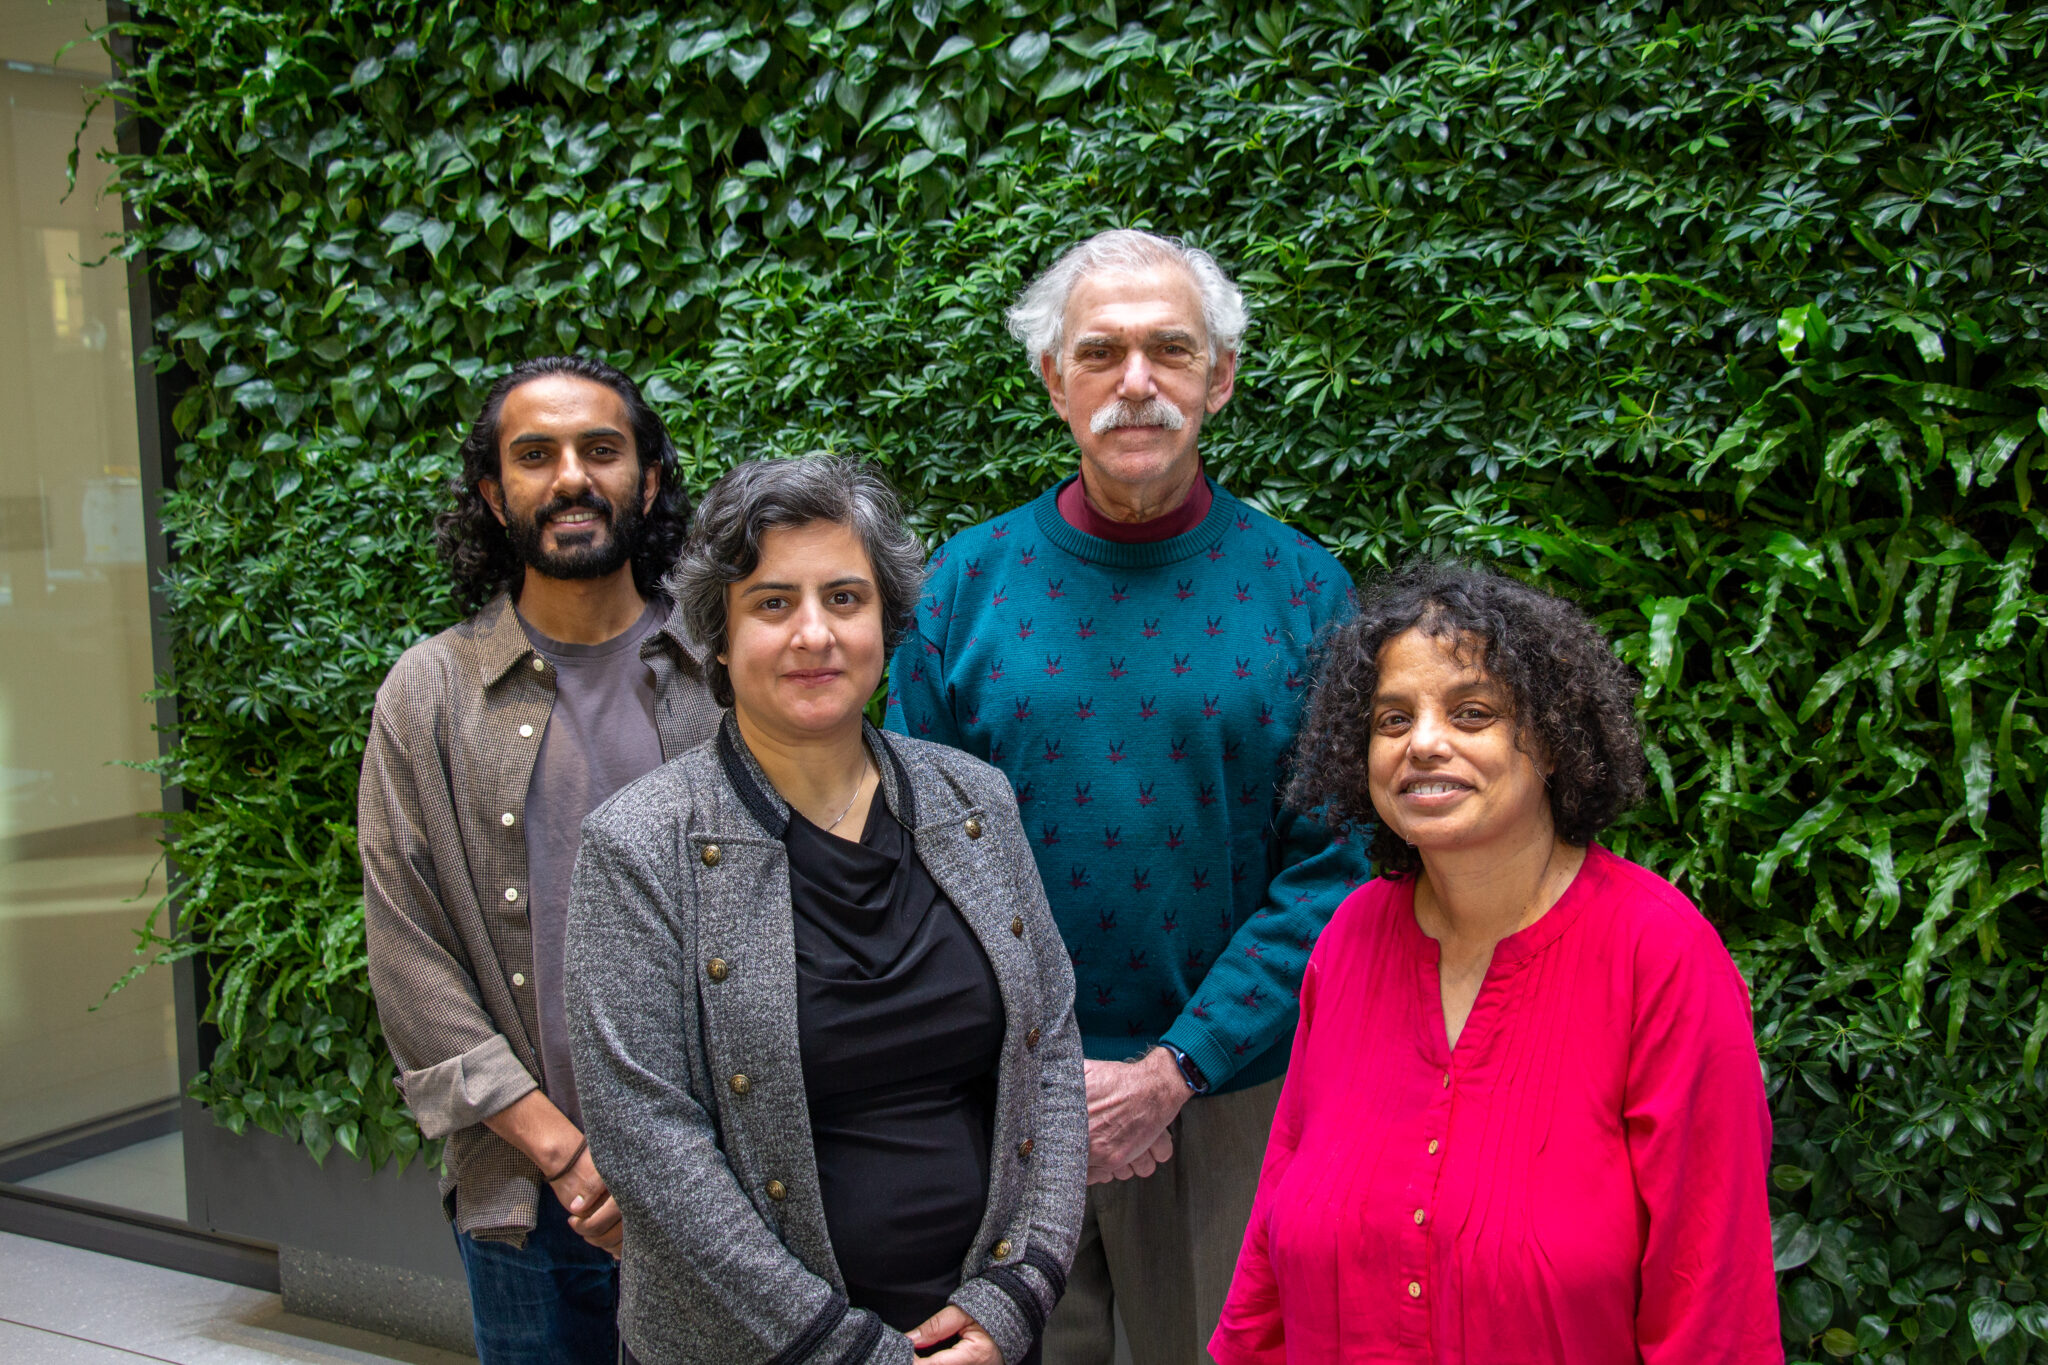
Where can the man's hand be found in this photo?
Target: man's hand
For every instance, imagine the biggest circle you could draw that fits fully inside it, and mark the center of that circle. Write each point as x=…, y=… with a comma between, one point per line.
x=975, y=1346
x=1147, y=1162
x=593, y=1213
x=536, y=1127
x=1130, y=1105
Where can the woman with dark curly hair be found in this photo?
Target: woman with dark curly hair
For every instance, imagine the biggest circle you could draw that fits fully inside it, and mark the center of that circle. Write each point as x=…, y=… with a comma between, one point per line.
x=1524, y=1119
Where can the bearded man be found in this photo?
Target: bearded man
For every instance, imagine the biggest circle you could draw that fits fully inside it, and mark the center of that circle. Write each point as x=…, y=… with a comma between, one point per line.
x=1132, y=648
x=488, y=746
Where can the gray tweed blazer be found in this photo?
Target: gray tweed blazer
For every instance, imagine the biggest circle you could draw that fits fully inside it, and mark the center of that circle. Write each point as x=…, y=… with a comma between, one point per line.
x=681, y=983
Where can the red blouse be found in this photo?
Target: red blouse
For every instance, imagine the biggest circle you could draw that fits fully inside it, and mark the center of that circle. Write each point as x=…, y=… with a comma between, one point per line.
x=1580, y=1181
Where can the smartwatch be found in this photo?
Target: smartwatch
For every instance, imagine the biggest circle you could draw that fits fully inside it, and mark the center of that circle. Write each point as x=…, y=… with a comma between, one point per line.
x=1189, y=1072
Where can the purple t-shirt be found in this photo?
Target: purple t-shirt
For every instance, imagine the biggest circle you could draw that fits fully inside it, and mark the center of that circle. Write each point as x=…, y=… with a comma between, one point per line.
x=601, y=735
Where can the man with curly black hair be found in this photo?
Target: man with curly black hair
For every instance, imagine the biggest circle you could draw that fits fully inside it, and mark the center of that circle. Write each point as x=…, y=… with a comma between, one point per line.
x=488, y=746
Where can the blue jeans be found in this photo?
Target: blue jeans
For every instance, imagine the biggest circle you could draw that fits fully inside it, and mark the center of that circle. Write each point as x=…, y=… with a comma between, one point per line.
x=554, y=1301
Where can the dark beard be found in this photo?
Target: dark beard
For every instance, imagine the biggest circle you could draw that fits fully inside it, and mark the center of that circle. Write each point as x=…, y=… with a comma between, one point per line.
x=600, y=557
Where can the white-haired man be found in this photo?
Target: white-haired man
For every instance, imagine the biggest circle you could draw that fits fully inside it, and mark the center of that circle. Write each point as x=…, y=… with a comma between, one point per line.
x=1132, y=647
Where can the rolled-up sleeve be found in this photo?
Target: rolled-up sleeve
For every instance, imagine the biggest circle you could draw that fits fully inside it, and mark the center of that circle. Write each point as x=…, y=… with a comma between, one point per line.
x=452, y=1095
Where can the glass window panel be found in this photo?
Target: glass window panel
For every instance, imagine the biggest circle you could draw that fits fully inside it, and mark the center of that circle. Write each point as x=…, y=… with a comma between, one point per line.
x=87, y=1083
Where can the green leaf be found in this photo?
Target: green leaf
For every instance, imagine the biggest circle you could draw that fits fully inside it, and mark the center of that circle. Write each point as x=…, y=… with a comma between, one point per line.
x=1665, y=653
x=1793, y=1242
x=435, y=235
x=747, y=59
x=951, y=48
x=1924, y=339
x=1792, y=323
x=1063, y=80
x=1027, y=50
x=1990, y=1320
x=1809, y=1304
x=562, y=225
x=181, y=238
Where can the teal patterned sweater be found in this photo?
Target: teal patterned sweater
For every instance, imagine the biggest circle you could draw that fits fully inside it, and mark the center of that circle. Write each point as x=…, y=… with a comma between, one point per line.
x=1143, y=700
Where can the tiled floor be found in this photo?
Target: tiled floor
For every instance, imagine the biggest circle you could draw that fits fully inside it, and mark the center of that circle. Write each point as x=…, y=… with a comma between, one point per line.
x=149, y=1176
x=63, y=1306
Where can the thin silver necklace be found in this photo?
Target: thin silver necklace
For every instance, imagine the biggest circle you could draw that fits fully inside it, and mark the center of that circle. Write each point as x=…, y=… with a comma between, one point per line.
x=859, y=782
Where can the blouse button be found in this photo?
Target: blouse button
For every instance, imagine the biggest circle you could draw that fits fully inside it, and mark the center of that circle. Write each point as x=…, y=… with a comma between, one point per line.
x=973, y=828
x=777, y=1191
x=526, y=732
x=511, y=893
x=507, y=818
x=1017, y=926
x=710, y=855
x=716, y=969
x=1432, y=1146
x=1002, y=1249
x=1024, y=1147
x=1031, y=1039
x=740, y=1085
x=1414, y=1290
x=539, y=665
x=519, y=978
x=1418, y=1218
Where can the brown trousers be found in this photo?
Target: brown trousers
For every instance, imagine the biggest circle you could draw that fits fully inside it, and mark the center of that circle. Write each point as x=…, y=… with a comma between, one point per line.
x=1159, y=1252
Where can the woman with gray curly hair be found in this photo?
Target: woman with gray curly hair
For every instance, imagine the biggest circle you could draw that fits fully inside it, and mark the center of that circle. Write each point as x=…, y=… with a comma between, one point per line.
x=822, y=1020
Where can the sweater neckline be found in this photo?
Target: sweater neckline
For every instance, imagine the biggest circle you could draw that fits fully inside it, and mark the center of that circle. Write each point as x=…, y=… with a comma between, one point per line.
x=1045, y=512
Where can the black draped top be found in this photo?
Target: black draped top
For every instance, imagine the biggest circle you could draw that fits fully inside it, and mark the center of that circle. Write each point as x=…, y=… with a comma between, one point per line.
x=900, y=1028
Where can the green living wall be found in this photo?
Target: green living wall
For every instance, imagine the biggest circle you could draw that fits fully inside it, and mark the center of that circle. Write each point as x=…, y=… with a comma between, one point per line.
x=1725, y=318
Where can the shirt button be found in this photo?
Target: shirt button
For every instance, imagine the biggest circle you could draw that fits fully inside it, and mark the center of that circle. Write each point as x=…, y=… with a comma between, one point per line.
x=507, y=818
x=519, y=978
x=716, y=969
x=740, y=1085
x=526, y=732
x=512, y=894
x=539, y=664
x=1418, y=1218
x=777, y=1191
x=710, y=855
x=1414, y=1290
x=1432, y=1146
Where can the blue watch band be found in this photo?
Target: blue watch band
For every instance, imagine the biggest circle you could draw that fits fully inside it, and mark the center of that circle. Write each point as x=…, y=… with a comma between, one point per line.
x=1189, y=1072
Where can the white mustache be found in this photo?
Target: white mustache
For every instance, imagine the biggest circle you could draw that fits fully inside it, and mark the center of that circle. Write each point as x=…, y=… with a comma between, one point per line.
x=1153, y=412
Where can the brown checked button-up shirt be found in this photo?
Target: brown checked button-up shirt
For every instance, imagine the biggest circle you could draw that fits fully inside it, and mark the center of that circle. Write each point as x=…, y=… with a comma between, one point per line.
x=441, y=815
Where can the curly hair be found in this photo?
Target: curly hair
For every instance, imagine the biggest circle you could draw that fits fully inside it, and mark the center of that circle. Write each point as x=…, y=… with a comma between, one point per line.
x=1572, y=699
x=756, y=497
x=477, y=548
